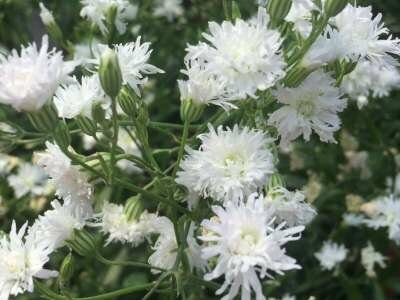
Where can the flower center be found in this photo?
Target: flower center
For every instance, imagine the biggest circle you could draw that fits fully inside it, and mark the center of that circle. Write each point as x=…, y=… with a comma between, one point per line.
x=306, y=108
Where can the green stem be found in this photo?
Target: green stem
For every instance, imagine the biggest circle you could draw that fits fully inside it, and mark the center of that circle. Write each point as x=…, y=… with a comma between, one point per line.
x=106, y=261
x=114, y=140
x=182, y=146
x=158, y=198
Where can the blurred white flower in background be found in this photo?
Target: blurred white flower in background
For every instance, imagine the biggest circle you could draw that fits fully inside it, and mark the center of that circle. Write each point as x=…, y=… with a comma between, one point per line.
x=29, y=79
x=370, y=257
x=29, y=179
x=300, y=15
x=169, y=9
x=331, y=255
x=97, y=10
x=45, y=15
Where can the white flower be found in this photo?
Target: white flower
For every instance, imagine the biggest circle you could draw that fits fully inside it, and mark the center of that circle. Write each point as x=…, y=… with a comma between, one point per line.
x=312, y=106
x=230, y=164
x=129, y=146
x=119, y=228
x=370, y=79
x=353, y=219
x=358, y=160
x=300, y=15
x=29, y=179
x=77, y=98
x=193, y=251
x=247, y=247
x=386, y=213
x=166, y=246
x=57, y=225
x=246, y=56
x=96, y=11
x=45, y=15
x=69, y=181
x=28, y=80
x=170, y=9
x=133, y=60
x=21, y=260
x=330, y=255
x=289, y=207
x=356, y=34
x=370, y=257
x=84, y=52
x=203, y=88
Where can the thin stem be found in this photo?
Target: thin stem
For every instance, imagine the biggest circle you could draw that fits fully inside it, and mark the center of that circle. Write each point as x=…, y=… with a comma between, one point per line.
x=156, y=285
x=114, y=140
x=182, y=146
x=106, y=261
x=158, y=198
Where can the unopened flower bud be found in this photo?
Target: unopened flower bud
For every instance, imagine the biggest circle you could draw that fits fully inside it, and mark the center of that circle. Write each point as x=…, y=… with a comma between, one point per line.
x=191, y=111
x=51, y=25
x=82, y=242
x=44, y=120
x=333, y=7
x=62, y=135
x=128, y=101
x=278, y=10
x=275, y=181
x=87, y=125
x=110, y=73
x=45, y=15
x=66, y=270
x=369, y=208
x=133, y=208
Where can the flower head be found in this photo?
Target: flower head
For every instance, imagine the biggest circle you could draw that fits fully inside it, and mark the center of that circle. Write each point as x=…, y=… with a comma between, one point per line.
x=289, y=207
x=247, y=246
x=69, y=181
x=46, y=15
x=29, y=79
x=385, y=212
x=133, y=60
x=29, y=179
x=370, y=79
x=169, y=9
x=21, y=260
x=312, y=106
x=230, y=164
x=96, y=11
x=246, y=56
x=370, y=257
x=330, y=255
x=119, y=228
x=77, y=98
x=57, y=225
x=203, y=88
x=355, y=34
x=300, y=15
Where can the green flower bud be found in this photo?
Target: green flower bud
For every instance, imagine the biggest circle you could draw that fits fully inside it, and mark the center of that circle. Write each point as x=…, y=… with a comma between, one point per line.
x=98, y=113
x=236, y=11
x=133, y=208
x=191, y=111
x=276, y=180
x=87, y=125
x=44, y=120
x=62, y=136
x=333, y=7
x=82, y=242
x=128, y=101
x=278, y=10
x=110, y=73
x=66, y=270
